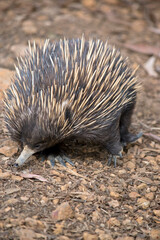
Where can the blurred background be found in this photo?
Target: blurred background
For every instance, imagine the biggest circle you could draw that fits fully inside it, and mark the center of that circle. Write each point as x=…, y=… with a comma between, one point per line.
x=109, y=203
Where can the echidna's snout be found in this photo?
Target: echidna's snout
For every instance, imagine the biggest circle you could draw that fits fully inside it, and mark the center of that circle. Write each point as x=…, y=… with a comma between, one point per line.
x=25, y=154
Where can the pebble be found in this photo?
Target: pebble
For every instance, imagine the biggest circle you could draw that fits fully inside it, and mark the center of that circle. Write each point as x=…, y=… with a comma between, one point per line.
x=113, y=222
x=157, y=212
x=88, y=236
x=114, y=195
x=155, y=234
x=150, y=196
x=139, y=220
x=131, y=166
x=91, y=4
x=142, y=202
x=142, y=186
x=125, y=238
x=133, y=195
x=29, y=27
x=114, y=203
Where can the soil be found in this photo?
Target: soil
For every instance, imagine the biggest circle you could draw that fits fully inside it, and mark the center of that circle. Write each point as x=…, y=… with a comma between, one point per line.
x=90, y=200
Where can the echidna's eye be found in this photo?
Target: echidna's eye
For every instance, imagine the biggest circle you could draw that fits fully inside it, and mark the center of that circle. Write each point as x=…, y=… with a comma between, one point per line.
x=37, y=146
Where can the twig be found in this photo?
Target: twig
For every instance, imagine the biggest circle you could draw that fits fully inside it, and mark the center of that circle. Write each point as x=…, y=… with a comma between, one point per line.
x=148, y=127
x=151, y=135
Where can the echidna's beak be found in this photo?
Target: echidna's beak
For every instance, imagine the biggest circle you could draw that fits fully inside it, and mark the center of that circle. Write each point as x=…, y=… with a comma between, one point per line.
x=25, y=154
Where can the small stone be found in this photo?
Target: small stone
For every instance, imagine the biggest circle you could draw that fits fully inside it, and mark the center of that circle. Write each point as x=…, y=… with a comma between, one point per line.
x=150, y=196
x=139, y=220
x=142, y=202
x=36, y=224
x=113, y=222
x=114, y=203
x=7, y=209
x=130, y=165
x=16, y=178
x=126, y=222
x=29, y=27
x=63, y=238
x=114, y=195
x=102, y=187
x=59, y=228
x=80, y=217
x=56, y=201
x=24, y=199
x=125, y=238
x=122, y=171
x=133, y=195
x=44, y=200
x=155, y=234
x=1, y=225
x=95, y=216
x=153, y=188
x=142, y=186
x=63, y=211
x=104, y=236
x=88, y=236
x=91, y=4
x=157, y=212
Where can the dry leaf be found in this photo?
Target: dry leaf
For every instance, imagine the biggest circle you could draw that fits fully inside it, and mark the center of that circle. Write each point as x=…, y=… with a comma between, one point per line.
x=143, y=48
x=30, y=175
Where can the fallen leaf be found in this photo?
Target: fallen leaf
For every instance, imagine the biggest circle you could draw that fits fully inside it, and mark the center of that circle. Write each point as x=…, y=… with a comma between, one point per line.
x=25, y=234
x=5, y=175
x=149, y=67
x=63, y=211
x=11, y=190
x=30, y=175
x=143, y=48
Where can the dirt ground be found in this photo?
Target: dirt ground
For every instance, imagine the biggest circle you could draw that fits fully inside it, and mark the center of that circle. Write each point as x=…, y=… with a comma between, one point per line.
x=90, y=201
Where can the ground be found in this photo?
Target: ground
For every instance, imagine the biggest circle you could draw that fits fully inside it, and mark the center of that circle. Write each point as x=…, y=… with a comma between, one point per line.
x=91, y=200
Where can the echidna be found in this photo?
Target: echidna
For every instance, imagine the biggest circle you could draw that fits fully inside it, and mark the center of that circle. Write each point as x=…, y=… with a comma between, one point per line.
x=71, y=89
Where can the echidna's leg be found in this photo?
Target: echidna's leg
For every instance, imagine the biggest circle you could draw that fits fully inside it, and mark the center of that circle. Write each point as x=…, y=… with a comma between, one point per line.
x=114, y=148
x=125, y=121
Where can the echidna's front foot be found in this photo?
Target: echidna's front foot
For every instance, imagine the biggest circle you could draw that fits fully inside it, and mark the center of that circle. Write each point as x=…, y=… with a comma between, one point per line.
x=61, y=159
x=114, y=158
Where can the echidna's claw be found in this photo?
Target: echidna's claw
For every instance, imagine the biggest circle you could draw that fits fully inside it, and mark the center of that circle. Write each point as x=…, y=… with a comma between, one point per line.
x=114, y=158
x=109, y=160
x=61, y=159
x=51, y=158
x=120, y=154
x=66, y=159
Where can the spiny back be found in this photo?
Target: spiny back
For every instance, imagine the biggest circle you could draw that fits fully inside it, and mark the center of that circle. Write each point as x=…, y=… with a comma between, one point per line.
x=69, y=86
